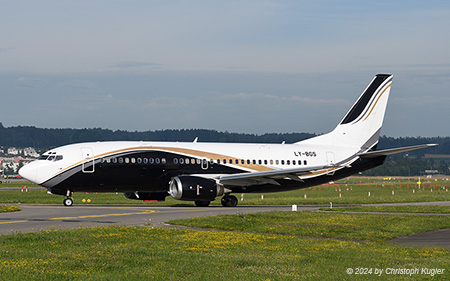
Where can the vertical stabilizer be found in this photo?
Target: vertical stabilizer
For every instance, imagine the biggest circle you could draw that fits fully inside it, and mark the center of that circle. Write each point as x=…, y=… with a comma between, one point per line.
x=362, y=124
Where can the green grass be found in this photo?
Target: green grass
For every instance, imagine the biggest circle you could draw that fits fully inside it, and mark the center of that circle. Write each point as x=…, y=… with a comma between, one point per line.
x=7, y=209
x=323, y=224
x=357, y=193
x=435, y=209
x=139, y=253
x=264, y=246
x=6, y=183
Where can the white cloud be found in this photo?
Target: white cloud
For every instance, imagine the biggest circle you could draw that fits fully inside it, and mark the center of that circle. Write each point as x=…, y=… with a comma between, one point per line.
x=135, y=64
x=30, y=82
x=259, y=97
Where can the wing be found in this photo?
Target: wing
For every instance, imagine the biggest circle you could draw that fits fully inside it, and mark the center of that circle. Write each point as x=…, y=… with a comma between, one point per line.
x=252, y=178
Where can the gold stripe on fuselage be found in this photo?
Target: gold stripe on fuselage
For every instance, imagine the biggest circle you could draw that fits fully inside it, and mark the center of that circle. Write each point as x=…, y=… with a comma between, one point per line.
x=191, y=152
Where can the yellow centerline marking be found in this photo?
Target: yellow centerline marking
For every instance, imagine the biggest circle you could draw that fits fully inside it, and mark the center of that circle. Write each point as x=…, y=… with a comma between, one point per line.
x=139, y=212
x=105, y=215
x=5, y=222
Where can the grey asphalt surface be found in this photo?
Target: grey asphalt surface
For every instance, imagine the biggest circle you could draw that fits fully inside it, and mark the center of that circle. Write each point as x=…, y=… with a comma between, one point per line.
x=35, y=218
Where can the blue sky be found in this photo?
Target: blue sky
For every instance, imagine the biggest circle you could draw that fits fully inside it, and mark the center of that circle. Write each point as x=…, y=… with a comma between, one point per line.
x=241, y=66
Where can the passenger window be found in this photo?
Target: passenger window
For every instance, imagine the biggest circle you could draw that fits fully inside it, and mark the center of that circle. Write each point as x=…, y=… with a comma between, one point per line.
x=271, y=162
x=114, y=160
x=192, y=161
x=259, y=162
x=304, y=162
x=175, y=160
x=224, y=161
x=120, y=160
x=236, y=161
x=139, y=160
x=277, y=162
x=151, y=160
x=145, y=160
x=288, y=162
x=157, y=160
x=293, y=162
x=108, y=160
x=127, y=160
x=133, y=160
x=282, y=162
x=163, y=161
x=181, y=161
x=248, y=162
x=265, y=162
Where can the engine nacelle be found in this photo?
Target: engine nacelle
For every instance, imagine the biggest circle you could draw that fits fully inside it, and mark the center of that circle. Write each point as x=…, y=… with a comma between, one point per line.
x=158, y=196
x=192, y=188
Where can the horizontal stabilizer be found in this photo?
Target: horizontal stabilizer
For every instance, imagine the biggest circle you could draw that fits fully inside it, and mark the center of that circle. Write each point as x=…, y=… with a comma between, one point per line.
x=385, y=152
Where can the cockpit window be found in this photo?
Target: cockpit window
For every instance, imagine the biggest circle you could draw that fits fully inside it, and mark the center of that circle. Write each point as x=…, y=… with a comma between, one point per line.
x=43, y=157
x=51, y=157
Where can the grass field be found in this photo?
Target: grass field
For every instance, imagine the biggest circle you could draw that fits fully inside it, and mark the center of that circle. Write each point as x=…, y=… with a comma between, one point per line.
x=264, y=246
x=349, y=191
x=9, y=208
x=436, y=209
x=321, y=224
x=140, y=253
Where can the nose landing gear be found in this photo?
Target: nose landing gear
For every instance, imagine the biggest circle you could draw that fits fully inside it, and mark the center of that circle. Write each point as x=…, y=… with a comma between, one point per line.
x=68, y=201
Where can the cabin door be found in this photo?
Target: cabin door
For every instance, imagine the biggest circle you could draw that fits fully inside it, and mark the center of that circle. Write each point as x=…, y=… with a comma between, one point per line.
x=88, y=165
x=330, y=161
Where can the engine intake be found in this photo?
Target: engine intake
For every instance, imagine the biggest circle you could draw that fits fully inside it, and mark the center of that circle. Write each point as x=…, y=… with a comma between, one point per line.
x=192, y=188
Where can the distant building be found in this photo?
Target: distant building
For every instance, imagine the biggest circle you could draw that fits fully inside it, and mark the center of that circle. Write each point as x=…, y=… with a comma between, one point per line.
x=13, y=151
x=31, y=152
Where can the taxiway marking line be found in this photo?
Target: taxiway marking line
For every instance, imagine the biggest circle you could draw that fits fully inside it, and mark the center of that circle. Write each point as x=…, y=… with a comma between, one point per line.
x=105, y=215
x=5, y=222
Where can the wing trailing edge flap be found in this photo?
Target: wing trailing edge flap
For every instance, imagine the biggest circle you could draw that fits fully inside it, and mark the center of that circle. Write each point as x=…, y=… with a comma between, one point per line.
x=267, y=177
x=385, y=152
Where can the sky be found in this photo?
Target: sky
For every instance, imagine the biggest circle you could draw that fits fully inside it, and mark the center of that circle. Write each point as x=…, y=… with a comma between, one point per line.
x=238, y=66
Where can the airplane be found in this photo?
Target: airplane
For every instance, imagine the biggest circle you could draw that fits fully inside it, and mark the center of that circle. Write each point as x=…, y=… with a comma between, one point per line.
x=200, y=172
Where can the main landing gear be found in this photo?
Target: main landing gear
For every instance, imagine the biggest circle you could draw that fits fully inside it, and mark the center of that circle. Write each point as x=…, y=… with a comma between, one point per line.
x=229, y=201
x=202, y=203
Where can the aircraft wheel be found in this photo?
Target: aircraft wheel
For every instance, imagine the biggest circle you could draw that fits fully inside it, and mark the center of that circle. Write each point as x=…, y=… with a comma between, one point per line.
x=229, y=201
x=68, y=202
x=202, y=203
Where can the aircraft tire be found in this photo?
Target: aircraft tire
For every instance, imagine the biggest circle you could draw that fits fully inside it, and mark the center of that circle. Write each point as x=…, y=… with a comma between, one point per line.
x=68, y=202
x=202, y=203
x=229, y=201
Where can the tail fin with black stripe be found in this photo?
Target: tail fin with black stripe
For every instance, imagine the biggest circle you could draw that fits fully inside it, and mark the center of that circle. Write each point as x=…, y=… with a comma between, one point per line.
x=361, y=126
